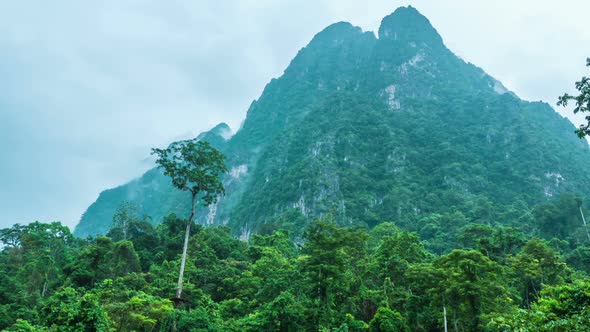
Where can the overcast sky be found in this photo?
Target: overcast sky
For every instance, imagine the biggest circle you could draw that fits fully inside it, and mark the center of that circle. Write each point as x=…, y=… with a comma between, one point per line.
x=88, y=87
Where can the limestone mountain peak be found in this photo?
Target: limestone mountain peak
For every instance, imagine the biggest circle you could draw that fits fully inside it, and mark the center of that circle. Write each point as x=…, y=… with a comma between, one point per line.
x=407, y=24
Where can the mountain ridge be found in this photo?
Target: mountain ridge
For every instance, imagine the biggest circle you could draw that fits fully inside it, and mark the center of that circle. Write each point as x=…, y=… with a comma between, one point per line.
x=368, y=129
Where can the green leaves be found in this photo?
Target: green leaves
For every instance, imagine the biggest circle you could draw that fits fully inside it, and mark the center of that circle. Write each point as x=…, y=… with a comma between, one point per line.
x=582, y=102
x=560, y=308
x=534, y=267
x=335, y=279
x=70, y=310
x=387, y=320
x=194, y=166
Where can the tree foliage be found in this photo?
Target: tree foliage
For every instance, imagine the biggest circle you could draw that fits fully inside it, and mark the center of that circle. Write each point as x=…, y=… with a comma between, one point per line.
x=333, y=278
x=194, y=166
x=582, y=102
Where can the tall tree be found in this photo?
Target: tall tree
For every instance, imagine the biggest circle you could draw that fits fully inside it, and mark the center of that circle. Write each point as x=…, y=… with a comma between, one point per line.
x=582, y=102
x=196, y=167
x=330, y=255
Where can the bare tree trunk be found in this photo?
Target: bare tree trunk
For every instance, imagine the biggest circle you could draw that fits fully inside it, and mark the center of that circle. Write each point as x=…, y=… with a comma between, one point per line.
x=44, y=288
x=445, y=316
x=584, y=221
x=184, y=249
x=125, y=230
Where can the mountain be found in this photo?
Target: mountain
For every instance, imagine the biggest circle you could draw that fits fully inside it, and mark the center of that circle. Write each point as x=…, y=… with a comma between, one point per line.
x=366, y=129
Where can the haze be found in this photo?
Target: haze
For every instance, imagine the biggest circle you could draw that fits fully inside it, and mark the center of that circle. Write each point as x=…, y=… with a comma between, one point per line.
x=88, y=88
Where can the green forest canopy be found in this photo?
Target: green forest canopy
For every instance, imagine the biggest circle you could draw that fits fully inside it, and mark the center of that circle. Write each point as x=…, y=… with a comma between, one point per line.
x=330, y=279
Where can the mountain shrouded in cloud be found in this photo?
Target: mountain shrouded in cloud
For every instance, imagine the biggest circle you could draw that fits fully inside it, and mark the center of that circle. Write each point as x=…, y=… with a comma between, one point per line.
x=370, y=129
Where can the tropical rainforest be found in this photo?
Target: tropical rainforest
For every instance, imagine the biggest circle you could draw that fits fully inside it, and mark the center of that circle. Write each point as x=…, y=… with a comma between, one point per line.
x=381, y=183
x=331, y=279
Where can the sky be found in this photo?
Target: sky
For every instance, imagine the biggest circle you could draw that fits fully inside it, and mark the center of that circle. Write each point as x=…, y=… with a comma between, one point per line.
x=87, y=88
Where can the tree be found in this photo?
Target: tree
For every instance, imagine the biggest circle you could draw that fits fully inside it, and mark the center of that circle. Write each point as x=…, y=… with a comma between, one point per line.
x=129, y=226
x=470, y=285
x=330, y=254
x=196, y=167
x=125, y=215
x=72, y=310
x=561, y=307
x=582, y=102
x=535, y=266
x=41, y=248
x=387, y=320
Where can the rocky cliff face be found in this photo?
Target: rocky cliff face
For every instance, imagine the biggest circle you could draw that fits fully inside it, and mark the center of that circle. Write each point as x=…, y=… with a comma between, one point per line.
x=368, y=129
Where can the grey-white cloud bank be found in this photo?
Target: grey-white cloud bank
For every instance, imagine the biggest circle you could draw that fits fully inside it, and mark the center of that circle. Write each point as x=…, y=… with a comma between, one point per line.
x=87, y=88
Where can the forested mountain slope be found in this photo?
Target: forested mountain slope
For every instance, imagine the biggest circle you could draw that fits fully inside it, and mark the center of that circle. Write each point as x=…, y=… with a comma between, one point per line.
x=367, y=129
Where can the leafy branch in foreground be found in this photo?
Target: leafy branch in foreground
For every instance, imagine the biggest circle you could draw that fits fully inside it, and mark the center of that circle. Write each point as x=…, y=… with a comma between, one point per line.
x=582, y=102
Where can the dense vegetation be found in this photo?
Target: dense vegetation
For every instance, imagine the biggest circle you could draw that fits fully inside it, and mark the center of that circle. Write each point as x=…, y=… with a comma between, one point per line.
x=330, y=279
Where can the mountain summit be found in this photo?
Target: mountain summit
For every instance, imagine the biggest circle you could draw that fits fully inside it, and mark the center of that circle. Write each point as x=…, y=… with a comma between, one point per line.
x=406, y=24
x=363, y=130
